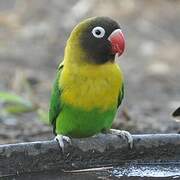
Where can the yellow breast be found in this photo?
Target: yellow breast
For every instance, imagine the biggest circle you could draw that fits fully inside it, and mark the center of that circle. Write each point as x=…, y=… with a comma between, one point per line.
x=91, y=86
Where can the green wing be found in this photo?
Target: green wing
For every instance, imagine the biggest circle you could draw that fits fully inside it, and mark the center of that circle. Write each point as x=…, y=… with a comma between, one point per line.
x=121, y=95
x=55, y=106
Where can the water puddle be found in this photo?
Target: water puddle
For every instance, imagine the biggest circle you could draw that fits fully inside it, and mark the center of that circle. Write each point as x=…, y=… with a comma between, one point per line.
x=148, y=170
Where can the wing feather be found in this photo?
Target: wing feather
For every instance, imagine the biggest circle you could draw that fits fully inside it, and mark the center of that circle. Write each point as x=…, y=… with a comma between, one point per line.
x=121, y=95
x=55, y=104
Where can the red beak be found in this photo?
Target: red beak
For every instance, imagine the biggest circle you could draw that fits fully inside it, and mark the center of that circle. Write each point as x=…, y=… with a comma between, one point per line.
x=117, y=41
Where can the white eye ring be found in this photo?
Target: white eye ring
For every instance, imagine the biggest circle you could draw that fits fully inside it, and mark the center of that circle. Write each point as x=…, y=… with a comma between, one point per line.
x=98, y=32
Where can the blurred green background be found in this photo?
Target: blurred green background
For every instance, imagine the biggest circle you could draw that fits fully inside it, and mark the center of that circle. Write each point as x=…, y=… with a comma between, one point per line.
x=33, y=34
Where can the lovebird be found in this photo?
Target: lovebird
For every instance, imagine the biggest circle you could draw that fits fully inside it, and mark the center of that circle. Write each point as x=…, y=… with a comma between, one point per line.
x=89, y=84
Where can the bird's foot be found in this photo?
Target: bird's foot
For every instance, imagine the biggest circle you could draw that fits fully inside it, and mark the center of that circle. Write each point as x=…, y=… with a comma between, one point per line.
x=123, y=134
x=60, y=139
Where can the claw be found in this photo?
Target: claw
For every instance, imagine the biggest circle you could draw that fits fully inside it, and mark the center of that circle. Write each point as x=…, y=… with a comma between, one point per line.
x=124, y=134
x=59, y=138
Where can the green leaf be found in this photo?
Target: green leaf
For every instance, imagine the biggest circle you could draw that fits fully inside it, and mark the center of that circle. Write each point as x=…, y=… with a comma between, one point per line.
x=15, y=104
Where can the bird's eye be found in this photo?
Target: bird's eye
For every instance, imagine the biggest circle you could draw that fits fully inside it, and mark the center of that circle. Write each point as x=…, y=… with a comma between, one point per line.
x=98, y=32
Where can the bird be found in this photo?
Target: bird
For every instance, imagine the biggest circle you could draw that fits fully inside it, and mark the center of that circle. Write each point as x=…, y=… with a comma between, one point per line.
x=89, y=84
x=176, y=114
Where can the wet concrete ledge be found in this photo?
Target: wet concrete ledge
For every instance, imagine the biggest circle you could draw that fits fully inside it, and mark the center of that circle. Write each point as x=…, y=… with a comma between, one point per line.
x=98, y=151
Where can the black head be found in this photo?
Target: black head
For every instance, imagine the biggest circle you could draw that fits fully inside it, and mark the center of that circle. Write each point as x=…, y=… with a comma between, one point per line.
x=96, y=42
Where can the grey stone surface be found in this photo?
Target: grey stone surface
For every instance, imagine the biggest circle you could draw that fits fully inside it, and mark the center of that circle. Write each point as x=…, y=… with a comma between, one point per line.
x=98, y=151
